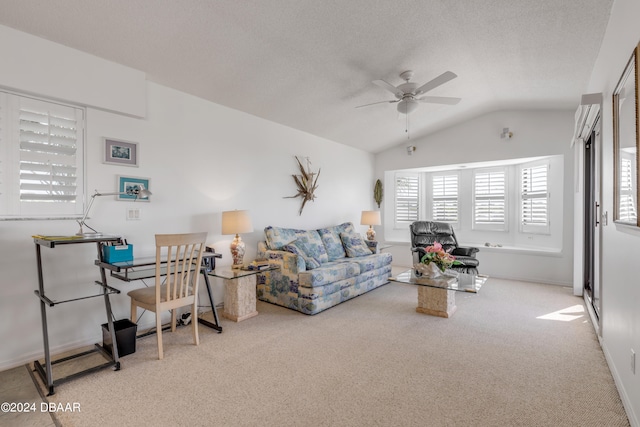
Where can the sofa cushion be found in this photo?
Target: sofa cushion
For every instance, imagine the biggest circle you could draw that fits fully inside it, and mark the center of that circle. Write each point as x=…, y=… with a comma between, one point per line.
x=278, y=237
x=328, y=273
x=372, y=261
x=354, y=245
x=372, y=245
x=331, y=239
x=298, y=248
x=311, y=243
x=325, y=291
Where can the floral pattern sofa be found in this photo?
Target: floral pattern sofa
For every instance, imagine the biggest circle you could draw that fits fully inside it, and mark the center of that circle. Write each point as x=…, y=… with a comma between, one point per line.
x=319, y=268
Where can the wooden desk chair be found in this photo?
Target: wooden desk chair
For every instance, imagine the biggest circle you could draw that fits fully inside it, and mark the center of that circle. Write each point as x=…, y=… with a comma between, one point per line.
x=183, y=253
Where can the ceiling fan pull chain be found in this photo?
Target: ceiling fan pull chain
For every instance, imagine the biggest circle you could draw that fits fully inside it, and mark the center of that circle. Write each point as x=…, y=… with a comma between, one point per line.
x=406, y=127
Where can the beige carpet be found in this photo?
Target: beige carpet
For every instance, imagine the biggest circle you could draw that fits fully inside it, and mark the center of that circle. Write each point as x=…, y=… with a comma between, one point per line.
x=372, y=361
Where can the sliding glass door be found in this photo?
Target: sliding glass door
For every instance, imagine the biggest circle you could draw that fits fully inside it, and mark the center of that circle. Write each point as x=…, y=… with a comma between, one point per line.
x=592, y=219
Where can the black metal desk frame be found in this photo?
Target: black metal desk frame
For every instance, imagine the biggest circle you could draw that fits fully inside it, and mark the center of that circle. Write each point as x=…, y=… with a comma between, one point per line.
x=46, y=372
x=145, y=268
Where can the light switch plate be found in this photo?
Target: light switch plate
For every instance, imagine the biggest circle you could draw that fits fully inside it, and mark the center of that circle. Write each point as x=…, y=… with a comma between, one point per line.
x=133, y=214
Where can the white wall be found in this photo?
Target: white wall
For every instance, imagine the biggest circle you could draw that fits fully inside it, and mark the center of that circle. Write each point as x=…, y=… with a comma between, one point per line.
x=535, y=133
x=69, y=75
x=202, y=159
x=620, y=318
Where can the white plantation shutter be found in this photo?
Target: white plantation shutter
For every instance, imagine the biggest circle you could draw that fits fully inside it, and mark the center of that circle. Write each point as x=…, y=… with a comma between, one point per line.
x=489, y=199
x=407, y=198
x=534, y=215
x=445, y=198
x=3, y=151
x=44, y=165
x=628, y=210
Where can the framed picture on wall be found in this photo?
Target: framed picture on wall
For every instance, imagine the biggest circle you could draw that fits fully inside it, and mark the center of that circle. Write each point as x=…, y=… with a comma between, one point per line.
x=118, y=152
x=626, y=143
x=129, y=186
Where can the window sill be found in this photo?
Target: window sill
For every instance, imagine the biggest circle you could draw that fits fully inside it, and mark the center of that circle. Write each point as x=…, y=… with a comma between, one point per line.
x=522, y=250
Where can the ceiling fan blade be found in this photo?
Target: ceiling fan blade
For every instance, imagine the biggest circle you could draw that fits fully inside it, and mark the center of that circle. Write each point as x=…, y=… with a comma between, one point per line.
x=440, y=100
x=440, y=80
x=381, y=102
x=388, y=86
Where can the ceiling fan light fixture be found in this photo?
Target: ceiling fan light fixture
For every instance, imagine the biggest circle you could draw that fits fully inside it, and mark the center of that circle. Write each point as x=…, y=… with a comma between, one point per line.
x=407, y=106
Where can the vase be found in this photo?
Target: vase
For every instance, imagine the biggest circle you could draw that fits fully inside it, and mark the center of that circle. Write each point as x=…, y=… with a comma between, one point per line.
x=429, y=271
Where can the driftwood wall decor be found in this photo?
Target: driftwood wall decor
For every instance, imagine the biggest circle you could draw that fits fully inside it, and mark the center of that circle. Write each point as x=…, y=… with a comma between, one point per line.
x=377, y=192
x=307, y=182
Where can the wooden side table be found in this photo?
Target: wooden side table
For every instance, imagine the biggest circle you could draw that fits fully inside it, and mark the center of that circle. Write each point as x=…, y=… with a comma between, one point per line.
x=239, y=293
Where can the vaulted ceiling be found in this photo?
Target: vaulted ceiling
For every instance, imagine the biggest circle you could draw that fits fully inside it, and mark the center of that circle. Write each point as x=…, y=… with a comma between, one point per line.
x=308, y=64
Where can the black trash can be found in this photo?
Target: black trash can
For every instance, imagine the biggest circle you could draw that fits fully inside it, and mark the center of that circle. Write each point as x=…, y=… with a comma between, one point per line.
x=125, y=335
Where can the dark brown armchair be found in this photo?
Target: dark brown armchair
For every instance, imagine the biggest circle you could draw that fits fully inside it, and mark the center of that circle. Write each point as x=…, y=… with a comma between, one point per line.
x=426, y=233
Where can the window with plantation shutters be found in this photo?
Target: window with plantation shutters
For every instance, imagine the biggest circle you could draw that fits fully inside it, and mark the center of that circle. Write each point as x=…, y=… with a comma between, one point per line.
x=534, y=199
x=42, y=158
x=489, y=200
x=444, y=195
x=627, y=207
x=407, y=203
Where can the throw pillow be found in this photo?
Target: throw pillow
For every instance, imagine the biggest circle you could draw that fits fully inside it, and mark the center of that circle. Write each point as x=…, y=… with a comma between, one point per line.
x=354, y=245
x=298, y=249
x=331, y=240
x=311, y=244
x=277, y=237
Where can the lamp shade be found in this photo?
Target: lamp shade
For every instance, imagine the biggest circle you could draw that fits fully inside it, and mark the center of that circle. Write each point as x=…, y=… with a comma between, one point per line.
x=370, y=218
x=236, y=222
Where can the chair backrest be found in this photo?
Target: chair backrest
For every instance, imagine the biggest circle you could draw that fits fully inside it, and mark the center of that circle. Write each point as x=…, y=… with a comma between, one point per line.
x=425, y=233
x=183, y=255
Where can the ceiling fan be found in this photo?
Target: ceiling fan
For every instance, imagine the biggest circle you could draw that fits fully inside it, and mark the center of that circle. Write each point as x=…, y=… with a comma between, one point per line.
x=409, y=95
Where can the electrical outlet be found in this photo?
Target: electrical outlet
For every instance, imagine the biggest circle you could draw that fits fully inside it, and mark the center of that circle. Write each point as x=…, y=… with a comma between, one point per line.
x=633, y=362
x=133, y=214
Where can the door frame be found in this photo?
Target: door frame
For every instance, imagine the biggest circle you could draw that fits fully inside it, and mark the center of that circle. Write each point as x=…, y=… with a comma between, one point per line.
x=593, y=212
x=594, y=129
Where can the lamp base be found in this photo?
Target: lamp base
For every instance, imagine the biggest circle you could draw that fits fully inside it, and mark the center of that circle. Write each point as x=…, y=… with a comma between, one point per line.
x=237, y=252
x=83, y=226
x=371, y=233
x=90, y=234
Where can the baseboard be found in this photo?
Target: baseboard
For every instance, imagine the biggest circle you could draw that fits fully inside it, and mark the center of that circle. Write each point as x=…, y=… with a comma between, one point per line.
x=67, y=347
x=534, y=280
x=628, y=407
x=594, y=320
x=39, y=355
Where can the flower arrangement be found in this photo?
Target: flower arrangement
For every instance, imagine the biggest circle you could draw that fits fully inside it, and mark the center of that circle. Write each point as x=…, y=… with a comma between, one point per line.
x=442, y=259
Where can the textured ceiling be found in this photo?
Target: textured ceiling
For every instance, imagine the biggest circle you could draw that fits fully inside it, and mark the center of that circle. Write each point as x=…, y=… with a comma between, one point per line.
x=307, y=63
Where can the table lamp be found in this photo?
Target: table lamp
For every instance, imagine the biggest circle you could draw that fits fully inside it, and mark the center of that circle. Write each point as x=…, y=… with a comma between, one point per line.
x=370, y=218
x=139, y=191
x=236, y=222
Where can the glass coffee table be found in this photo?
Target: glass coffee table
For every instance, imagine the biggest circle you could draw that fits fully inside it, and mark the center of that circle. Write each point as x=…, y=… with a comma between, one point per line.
x=437, y=296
